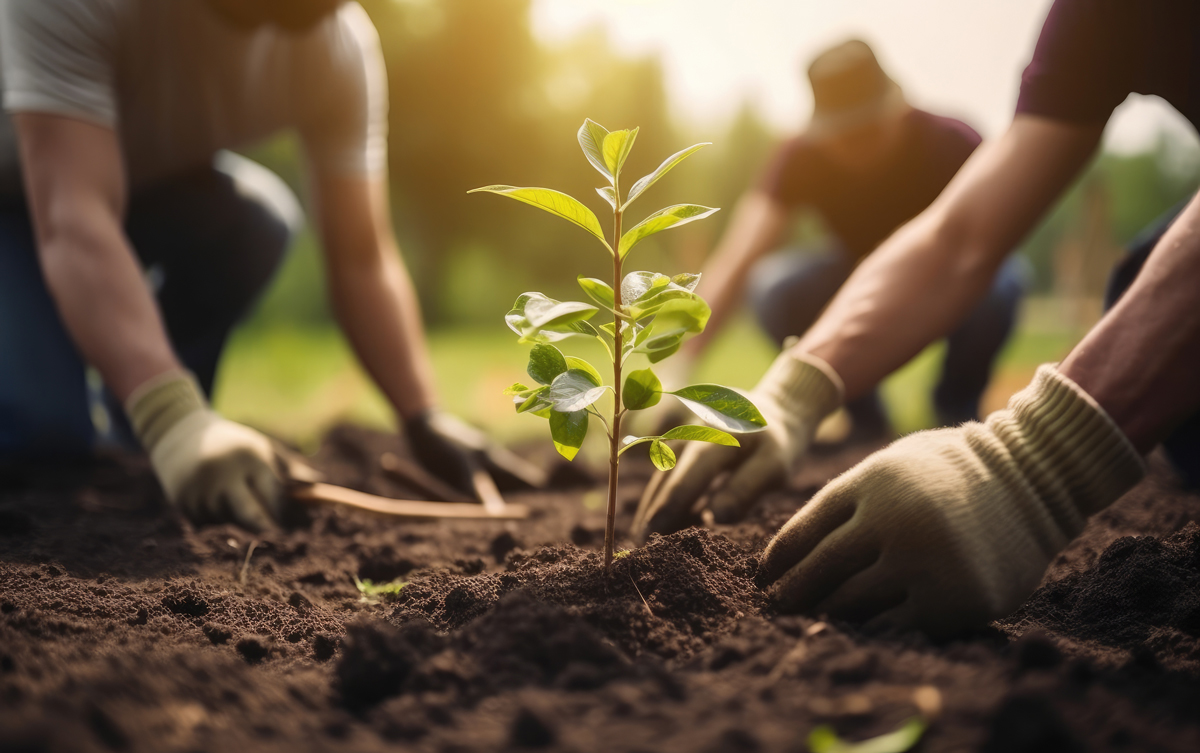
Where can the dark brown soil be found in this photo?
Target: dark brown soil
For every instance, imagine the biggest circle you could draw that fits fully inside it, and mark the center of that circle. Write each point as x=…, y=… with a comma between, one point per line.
x=124, y=629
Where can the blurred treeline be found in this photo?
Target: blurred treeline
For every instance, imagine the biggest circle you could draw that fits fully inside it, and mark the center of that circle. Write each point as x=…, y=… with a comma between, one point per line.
x=476, y=100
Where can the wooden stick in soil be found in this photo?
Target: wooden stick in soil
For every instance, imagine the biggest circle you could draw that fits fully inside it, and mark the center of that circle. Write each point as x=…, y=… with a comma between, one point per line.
x=404, y=508
x=614, y=439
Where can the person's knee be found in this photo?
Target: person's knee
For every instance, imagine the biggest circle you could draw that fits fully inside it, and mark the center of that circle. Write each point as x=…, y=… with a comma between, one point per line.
x=786, y=291
x=269, y=206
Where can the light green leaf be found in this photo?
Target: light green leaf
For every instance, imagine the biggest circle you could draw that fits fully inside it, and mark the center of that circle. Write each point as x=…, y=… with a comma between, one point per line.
x=545, y=363
x=568, y=430
x=722, y=407
x=662, y=456
x=656, y=303
x=631, y=440
x=637, y=285
x=582, y=365
x=680, y=214
x=554, y=202
x=824, y=740
x=670, y=162
x=574, y=390
x=598, y=290
x=373, y=593
x=659, y=347
x=687, y=280
x=702, y=434
x=533, y=402
x=642, y=390
x=609, y=194
x=537, y=318
x=515, y=389
x=683, y=315
x=591, y=139
x=616, y=147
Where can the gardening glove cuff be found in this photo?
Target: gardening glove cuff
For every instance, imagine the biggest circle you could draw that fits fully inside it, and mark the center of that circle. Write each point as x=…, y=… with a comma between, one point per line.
x=211, y=468
x=807, y=388
x=795, y=394
x=1067, y=448
x=162, y=402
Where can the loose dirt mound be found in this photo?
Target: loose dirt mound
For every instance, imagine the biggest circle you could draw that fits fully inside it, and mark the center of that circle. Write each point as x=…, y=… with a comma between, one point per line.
x=123, y=629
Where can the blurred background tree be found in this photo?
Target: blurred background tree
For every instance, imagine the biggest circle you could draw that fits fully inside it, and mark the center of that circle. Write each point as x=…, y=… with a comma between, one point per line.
x=476, y=99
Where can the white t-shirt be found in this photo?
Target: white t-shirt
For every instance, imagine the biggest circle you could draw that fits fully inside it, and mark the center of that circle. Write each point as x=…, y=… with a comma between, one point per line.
x=178, y=83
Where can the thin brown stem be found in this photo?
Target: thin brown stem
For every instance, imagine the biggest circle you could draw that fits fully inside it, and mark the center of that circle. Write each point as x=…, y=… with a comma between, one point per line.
x=614, y=436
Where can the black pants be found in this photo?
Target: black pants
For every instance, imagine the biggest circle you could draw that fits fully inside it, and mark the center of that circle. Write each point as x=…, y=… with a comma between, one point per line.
x=209, y=240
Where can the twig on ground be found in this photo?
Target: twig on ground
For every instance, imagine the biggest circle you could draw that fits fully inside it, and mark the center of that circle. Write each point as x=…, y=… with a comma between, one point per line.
x=649, y=611
x=245, y=573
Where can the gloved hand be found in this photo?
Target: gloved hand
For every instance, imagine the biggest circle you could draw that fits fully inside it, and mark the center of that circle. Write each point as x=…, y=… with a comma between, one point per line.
x=952, y=528
x=795, y=394
x=452, y=450
x=211, y=468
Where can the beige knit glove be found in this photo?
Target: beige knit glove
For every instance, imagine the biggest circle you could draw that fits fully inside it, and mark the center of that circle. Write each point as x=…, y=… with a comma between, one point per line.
x=795, y=394
x=211, y=468
x=952, y=528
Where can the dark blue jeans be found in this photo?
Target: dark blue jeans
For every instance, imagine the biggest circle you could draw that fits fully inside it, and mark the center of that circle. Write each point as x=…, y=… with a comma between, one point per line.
x=209, y=240
x=790, y=289
x=1183, y=446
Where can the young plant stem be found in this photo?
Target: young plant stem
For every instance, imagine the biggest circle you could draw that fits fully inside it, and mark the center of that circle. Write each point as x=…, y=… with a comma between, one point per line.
x=614, y=441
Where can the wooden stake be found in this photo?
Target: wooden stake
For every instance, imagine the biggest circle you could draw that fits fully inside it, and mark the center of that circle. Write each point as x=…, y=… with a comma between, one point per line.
x=404, y=508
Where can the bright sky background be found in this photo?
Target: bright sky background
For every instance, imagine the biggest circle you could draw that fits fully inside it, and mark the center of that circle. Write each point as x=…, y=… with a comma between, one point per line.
x=954, y=57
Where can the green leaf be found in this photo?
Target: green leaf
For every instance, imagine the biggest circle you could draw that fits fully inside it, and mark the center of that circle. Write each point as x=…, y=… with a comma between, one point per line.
x=545, y=363
x=584, y=366
x=534, y=402
x=631, y=440
x=824, y=740
x=670, y=162
x=554, y=202
x=373, y=593
x=642, y=390
x=591, y=137
x=515, y=389
x=702, y=434
x=656, y=303
x=680, y=214
x=662, y=456
x=637, y=285
x=609, y=194
x=687, y=280
x=537, y=318
x=568, y=430
x=659, y=347
x=574, y=390
x=598, y=290
x=722, y=407
x=616, y=148
x=683, y=315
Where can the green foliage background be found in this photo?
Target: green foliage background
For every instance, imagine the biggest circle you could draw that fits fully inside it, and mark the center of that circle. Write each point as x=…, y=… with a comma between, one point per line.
x=473, y=97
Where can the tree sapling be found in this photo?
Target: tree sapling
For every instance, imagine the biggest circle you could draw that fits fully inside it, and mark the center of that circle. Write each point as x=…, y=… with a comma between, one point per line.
x=652, y=315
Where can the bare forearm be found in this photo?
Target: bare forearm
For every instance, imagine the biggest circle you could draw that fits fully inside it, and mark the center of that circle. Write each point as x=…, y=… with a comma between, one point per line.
x=911, y=292
x=376, y=306
x=1142, y=361
x=928, y=275
x=107, y=308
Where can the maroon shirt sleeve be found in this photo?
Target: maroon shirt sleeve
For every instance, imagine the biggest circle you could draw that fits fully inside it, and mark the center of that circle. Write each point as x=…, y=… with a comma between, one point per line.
x=1077, y=73
x=784, y=179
